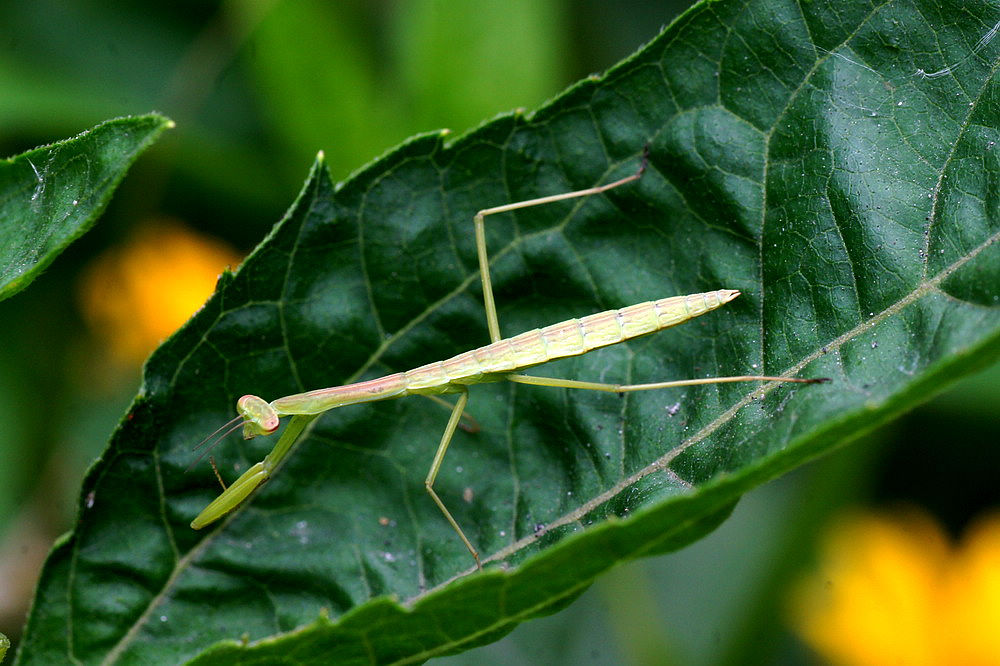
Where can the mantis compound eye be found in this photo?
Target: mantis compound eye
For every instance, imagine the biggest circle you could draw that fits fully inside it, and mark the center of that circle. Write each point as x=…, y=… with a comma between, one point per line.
x=260, y=418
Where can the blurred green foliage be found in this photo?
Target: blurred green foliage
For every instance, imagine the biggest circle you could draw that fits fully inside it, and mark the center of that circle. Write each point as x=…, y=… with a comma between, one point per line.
x=257, y=88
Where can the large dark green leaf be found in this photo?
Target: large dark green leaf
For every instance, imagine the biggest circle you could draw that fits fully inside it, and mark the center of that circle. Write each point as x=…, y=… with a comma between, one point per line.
x=50, y=195
x=795, y=156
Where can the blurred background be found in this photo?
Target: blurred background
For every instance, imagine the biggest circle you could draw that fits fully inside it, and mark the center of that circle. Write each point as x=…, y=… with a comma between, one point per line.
x=257, y=87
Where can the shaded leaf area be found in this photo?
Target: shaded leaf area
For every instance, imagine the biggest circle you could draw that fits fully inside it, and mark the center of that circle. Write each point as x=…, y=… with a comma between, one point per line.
x=51, y=195
x=794, y=156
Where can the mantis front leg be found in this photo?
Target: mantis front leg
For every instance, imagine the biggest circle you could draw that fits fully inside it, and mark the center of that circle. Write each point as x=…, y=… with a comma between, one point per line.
x=241, y=488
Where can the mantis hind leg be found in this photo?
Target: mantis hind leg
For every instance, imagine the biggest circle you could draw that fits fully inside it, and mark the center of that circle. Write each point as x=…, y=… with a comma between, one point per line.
x=627, y=388
x=449, y=431
x=484, y=262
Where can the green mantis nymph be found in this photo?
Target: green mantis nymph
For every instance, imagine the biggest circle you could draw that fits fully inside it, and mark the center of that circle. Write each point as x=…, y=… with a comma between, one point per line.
x=501, y=360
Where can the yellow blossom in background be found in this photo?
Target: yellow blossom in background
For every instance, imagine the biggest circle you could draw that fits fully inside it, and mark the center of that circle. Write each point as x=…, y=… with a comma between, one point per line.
x=973, y=597
x=135, y=295
x=893, y=590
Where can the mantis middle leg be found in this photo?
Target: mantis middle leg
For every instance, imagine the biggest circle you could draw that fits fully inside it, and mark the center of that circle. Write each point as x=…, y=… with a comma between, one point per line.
x=479, y=221
x=449, y=431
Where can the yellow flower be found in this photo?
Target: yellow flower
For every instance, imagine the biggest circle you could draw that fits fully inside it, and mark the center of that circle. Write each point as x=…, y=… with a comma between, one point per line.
x=973, y=597
x=892, y=590
x=135, y=295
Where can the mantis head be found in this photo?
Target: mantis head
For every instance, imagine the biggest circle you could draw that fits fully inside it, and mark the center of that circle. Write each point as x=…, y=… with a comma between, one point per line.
x=259, y=417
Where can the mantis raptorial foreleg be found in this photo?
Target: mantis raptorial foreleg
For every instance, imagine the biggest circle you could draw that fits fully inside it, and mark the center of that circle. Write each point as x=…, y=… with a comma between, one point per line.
x=239, y=489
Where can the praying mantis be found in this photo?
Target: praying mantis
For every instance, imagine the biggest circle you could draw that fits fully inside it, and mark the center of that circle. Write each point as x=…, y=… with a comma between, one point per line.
x=501, y=360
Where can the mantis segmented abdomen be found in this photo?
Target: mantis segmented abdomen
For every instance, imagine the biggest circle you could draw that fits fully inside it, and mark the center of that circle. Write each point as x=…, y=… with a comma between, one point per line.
x=491, y=363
